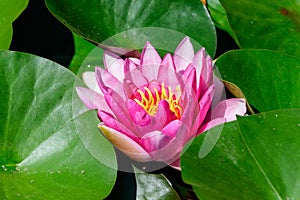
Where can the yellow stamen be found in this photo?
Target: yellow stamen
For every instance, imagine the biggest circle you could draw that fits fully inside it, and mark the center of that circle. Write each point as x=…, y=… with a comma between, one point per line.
x=149, y=100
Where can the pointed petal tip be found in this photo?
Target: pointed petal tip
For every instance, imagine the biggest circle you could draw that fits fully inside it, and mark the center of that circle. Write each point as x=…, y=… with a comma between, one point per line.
x=148, y=45
x=183, y=54
x=186, y=39
x=149, y=55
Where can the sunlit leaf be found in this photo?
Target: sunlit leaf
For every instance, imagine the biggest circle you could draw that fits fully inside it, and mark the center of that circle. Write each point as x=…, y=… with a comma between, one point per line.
x=99, y=20
x=268, y=79
x=154, y=186
x=255, y=157
x=9, y=11
x=41, y=154
x=266, y=24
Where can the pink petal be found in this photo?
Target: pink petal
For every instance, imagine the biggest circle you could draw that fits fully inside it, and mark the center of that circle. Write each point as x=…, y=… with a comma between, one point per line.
x=154, y=140
x=163, y=116
x=228, y=109
x=92, y=100
x=189, y=77
x=150, y=71
x=125, y=144
x=219, y=91
x=211, y=124
x=145, y=123
x=136, y=77
x=205, y=103
x=176, y=164
x=198, y=60
x=172, y=128
x=167, y=73
x=204, y=67
x=119, y=108
x=150, y=62
x=189, y=104
x=128, y=66
x=207, y=68
x=114, y=65
x=108, y=82
x=135, y=61
x=111, y=122
x=150, y=55
x=129, y=88
x=183, y=54
x=157, y=121
x=138, y=115
x=204, y=107
x=166, y=145
x=168, y=61
x=89, y=78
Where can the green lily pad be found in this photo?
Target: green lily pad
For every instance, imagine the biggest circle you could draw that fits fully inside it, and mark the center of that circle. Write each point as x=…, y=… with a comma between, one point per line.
x=41, y=154
x=9, y=11
x=99, y=20
x=266, y=24
x=268, y=79
x=154, y=186
x=255, y=157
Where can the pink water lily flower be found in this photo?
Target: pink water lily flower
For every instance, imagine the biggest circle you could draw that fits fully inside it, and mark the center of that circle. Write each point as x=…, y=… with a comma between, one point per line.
x=151, y=107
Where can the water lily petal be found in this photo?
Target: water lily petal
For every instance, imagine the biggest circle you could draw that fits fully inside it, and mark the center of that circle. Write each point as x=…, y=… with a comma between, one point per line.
x=129, y=88
x=168, y=61
x=89, y=79
x=166, y=145
x=128, y=66
x=107, y=82
x=183, y=54
x=135, y=61
x=150, y=55
x=176, y=164
x=163, y=116
x=119, y=108
x=172, y=128
x=139, y=116
x=114, y=65
x=92, y=100
x=211, y=124
x=150, y=62
x=206, y=102
x=110, y=121
x=204, y=106
x=220, y=93
x=125, y=144
x=167, y=73
x=158, y=121
x=189, y=77
x=228, y=109
x=154, y=140
x=197, y=61
x=203, y=65
x=189, y=104
x=207, y=68
x=136, y=77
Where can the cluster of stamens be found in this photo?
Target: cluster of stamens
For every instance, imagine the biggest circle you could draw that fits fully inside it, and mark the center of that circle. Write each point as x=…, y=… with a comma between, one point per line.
x=150, y=99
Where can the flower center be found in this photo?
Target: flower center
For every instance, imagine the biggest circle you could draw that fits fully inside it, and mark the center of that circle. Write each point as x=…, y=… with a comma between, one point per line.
x=149, y=100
